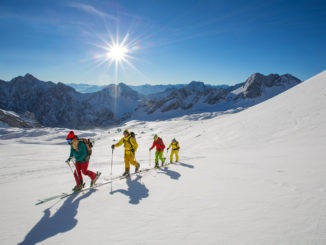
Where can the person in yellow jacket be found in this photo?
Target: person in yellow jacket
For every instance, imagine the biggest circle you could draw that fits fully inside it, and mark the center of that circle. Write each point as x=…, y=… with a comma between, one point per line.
x=130, y=146
x=175, y=150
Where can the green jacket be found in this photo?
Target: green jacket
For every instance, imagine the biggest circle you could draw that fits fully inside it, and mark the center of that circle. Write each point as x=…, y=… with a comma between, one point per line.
x=79, y=155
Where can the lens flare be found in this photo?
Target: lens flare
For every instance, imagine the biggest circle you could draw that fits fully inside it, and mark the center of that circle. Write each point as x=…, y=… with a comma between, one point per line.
x=117, y=53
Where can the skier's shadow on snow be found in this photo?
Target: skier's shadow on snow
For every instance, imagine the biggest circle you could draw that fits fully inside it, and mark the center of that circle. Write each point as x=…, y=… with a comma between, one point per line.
x=136, y=190
x=185, y=165
x=62, y=221
x=173, y=174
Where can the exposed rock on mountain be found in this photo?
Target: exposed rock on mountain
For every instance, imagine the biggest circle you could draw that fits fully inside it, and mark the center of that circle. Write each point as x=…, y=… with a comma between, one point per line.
x=28, y=120
x=196, y=97
x=58, y=105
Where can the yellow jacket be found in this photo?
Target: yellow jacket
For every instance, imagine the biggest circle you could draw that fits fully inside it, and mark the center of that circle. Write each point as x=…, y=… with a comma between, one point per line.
x=174, y=145
x=129, y=143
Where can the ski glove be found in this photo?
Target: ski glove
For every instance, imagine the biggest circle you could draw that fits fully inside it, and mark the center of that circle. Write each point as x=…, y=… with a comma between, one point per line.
x=112, y=146
x=67, y=161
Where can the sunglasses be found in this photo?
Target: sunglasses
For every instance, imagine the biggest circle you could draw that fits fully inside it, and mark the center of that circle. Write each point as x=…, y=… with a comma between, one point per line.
x=69, y=140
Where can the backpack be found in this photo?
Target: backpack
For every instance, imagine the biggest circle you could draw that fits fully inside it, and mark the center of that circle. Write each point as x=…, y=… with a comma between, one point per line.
x=160, y=143
x=132, y=134
x=89, y=145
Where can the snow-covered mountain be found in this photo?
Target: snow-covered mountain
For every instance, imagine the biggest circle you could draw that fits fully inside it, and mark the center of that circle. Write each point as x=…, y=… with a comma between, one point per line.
x=196, y=97
x=253, y=177
x=11, y=119
x=58, y=105
x=121, y=99
x=146, y=89
x=85, y=88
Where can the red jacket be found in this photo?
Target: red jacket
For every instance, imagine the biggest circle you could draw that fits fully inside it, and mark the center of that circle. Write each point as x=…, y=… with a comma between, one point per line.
x=159, y=144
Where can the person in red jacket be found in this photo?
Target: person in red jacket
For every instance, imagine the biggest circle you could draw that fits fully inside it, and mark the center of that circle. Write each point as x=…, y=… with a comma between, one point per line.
x=158, y=142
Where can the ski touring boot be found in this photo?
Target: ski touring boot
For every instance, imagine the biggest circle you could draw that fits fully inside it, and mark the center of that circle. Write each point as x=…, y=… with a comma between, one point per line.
x=163, y=161
x=137, y=168
x=126, y=173
x=96, y=178
x=79, y=187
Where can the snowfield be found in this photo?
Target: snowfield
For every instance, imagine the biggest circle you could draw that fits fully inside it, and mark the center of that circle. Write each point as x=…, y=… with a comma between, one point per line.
x=253, y=177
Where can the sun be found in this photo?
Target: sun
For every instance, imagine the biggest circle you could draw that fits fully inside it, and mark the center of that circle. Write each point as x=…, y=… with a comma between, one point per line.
x=117, y=52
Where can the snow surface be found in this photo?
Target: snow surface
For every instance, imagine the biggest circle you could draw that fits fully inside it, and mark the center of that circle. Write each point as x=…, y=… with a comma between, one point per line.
x=253, y=177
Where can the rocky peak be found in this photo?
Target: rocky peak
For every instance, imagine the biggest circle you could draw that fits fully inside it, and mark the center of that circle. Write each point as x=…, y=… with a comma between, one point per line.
x=198, y=86
x=255, y=84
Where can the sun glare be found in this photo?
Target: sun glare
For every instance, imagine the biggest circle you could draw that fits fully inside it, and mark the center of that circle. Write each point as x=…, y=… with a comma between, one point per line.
x=117, y=53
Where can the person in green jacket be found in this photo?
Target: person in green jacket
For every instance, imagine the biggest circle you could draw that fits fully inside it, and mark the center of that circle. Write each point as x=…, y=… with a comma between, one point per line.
x=78, y=150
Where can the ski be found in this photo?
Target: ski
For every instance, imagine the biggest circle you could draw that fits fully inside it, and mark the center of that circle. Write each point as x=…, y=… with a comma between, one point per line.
x=106, y=181
x=65, y=194
x=50, y=198
x=135, y=173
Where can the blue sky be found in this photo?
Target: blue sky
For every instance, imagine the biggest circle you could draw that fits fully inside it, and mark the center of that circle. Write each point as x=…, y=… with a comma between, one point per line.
x=168, y=41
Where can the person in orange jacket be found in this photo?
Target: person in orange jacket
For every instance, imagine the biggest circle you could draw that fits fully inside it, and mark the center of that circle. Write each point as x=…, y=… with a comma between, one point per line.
x=158, y=142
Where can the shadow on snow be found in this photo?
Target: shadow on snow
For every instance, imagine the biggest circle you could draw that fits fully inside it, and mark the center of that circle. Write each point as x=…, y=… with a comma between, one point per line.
x=136, y=190
x=62, y=221
x=173, y=174
x=186, y=165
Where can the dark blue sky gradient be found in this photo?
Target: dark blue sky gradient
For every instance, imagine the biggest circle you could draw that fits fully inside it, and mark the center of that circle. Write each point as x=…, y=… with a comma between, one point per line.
x=170, y=41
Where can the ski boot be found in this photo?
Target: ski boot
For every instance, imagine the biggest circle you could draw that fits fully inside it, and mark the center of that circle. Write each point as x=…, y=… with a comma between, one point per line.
x=96, y=178
x=126, y=173
x=163, y=161
x=78, y=188
x=156, y=165
x=137, y=168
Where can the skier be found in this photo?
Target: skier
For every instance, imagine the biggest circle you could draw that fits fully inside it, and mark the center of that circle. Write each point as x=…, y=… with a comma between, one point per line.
x=175, y=150
x=130, y=146
x=78, y=150
x=158, y=142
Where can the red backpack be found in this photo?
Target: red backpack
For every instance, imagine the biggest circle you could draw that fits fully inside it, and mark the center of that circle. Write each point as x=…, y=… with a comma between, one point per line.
x=160, y=144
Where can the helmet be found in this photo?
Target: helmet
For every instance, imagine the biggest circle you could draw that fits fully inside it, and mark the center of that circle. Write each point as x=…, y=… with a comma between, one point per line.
x=155, y=136
x=173, y=140
x=126, y=132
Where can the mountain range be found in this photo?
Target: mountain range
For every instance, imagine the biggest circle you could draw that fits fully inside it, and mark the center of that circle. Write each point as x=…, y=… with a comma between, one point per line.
x=59, y=105
x=146, y=89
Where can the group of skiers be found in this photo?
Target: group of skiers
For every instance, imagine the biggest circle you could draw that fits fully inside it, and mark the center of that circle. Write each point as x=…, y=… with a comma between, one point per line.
x=81, y=150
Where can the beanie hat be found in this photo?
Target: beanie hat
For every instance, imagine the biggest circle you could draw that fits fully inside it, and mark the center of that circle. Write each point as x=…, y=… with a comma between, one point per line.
x=126, y=131
x=155, y=136
x=71, y=135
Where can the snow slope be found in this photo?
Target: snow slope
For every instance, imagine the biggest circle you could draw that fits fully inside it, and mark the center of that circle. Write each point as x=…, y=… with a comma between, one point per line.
x=253, y=177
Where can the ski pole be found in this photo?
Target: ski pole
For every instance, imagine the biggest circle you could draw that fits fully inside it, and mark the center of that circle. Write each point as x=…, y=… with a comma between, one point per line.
x=111, y=161
x=68, y=163
x=150, y=158
x=74, y=162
